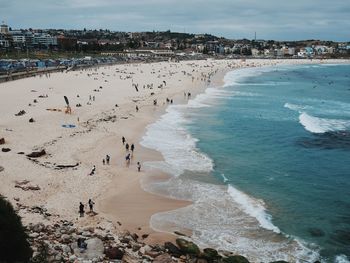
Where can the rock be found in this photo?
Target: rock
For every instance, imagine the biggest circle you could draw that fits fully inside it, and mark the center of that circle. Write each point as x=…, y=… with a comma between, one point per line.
x=36, y=154
x=136, y=247
x=144, y=249
x=144, y=236
x=2, y=141
x=38, y=227
x=94, y=249
x=1, y=168
x=152, y=253
x=187, y=247
x=130, y=259
x=86, y=234
x=31, y=120
x=235, y=259
x=110, y=237
x=134, y=236
x=210, y=254
x=66, y=249
x=66, y=239
x=202, y=260
x=34, y=235
x=282, y=261
x=72, y=258
x=5, y=150
x=164, y=258
x=125, y=240
x=88, y=228
x=172, y=249
x=114, y=253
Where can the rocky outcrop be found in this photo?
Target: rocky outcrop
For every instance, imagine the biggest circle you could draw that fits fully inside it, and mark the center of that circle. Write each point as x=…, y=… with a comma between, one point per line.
x=235, y=259
x=187, y=247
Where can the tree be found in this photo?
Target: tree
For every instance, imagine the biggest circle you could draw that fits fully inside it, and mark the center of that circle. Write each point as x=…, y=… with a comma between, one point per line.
x=14, y=246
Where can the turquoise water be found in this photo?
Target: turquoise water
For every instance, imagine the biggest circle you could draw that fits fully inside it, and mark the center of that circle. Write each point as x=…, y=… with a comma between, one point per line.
x=283, y=136
x=265, y=161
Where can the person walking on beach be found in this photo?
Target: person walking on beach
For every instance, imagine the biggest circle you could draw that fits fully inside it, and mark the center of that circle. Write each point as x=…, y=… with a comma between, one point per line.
x=91, y=205
x=127, y=159
x=103, y=161
x=132, y=148
x=137, y=108
x=127, y=147
x=107, y=159
x=138, y=166
x=81, y=209
x=123, y=140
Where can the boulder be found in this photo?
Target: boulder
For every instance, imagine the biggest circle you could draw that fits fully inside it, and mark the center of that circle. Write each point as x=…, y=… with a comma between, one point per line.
x=31, y=120
x=66, y=239
x=5, y=150
x=114, y=253
x=34, y=235
x=38, y=227
x=135, y=247
x=187, y=247
x=94, y=249
x=164, y=258
x=235, y=259
x=172, y=249
x=210, y=254
x=36, y=154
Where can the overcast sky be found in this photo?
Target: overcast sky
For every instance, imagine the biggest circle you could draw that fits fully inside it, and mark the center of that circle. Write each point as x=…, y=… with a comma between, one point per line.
x=271, y=19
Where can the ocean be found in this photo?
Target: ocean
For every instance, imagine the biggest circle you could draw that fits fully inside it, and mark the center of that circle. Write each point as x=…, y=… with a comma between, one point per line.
x=265, y=159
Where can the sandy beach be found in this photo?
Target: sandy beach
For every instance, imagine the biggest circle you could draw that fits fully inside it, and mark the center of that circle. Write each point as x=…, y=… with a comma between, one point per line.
x=103, y=102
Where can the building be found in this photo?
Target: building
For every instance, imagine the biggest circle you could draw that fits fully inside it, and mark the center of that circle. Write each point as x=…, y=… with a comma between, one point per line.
x=4, y=42
x=43, y=39
x=255, y=52
x=4, y=29
x=18, y=38
x=68, y=43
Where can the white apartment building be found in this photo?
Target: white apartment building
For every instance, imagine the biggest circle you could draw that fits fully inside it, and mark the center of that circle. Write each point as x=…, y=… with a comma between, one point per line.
x=44, y=39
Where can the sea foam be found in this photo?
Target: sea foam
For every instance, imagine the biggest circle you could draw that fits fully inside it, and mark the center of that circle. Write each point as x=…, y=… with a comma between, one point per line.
x=253, y=207
x=316, y=124
x=221, y=216
x=322, y=125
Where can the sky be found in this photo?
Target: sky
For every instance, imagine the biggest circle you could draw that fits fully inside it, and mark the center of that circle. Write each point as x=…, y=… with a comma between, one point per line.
x=234, y=19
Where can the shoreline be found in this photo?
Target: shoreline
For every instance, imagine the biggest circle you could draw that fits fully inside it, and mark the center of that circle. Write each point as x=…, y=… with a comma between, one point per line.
x=116, y=190
x=108, y=200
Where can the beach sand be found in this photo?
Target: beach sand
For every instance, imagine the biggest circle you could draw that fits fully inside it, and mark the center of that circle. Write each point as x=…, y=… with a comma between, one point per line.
x=99, y=125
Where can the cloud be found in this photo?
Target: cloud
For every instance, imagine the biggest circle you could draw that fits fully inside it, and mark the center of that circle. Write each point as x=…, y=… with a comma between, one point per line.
x=272, y=19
